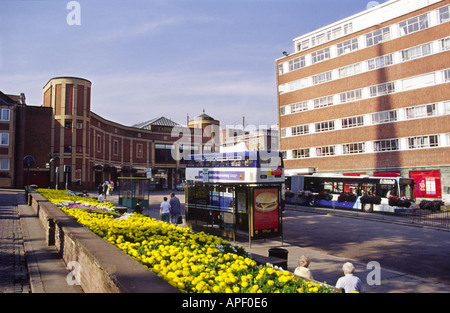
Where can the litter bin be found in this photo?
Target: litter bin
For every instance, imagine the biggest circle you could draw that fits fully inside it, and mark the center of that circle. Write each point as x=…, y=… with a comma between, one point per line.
x=280, y=253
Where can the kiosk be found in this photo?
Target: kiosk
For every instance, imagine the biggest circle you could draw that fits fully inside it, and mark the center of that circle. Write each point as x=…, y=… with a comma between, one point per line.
x=132, y=189
x=239, y=191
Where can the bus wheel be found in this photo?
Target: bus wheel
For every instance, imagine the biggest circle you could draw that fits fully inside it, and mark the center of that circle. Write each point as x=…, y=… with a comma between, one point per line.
x=367, y=207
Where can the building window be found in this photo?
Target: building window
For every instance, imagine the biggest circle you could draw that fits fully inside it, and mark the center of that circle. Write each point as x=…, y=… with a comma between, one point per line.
x=4, y=139
x=139, y=150
x=296, y=63
x=320, y=55
x=350, y=96
x=353, y=148
x=163, y=153
x=352, y=121
x=79, y=125
x=325, y=151
x=283, y=110
x=323, y=102
x=423, y=142
x=298, y=84
x=324, y=126
x=414, y=24
x=299, y=107
x=421, y=111
x=347, y=46
x=384, y=117
x=416, y=52
x=115, y=147
x=322, y=78
x=300, y=153
x=349, y=70
x=385, y=145
x=378, y=36
x=379, y=62
x=280, y=69
x=382, y=89
x=68, y=124
x=4, y=114
x=99, y=143
x=4, y=164
x=300, y=130
x=445, y=44
x=446, y=76
x=444, y=14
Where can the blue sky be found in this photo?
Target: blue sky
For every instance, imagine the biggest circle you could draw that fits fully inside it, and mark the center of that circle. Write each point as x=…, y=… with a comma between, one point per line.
x=151, y=58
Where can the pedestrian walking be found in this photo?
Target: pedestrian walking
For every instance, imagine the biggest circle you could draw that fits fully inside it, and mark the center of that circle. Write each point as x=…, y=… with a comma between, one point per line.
x=138, y=209
x=164, y=211
x=349, y=282
x=175, y=209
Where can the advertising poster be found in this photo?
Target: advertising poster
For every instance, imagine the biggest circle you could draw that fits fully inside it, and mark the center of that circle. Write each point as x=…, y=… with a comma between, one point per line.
x=266, y=212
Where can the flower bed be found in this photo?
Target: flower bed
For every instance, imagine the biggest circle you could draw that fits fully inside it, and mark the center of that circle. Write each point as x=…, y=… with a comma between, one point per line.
x=192, y=262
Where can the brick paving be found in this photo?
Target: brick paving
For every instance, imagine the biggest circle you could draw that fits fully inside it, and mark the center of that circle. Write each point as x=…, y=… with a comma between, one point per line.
x=13, y=268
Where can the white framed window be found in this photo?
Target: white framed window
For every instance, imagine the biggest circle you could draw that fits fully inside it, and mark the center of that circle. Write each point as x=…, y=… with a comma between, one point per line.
x=352, y=121
x=300, y=130
x=347, y=46
x=323, y=102
x=416, y=52
x=446, y=74
x=349, y=70
x=414, y=24
x=378, y=36
x=4, y=139
x=321, y=55
x=445, y=44
x=423, y=142
x=4, y=114
x=300, y=153
x=282, y=110
x=350, y=95
x=382, y=89
x=385, y=145
x=353, y=148
x=444, y=14
x=325, y=151
x=299, y=107
x=421, y=111
x=379, y=62
x=324, y=126
x=322, y=78
x=296, y=63
x=384, y=117
x=4, y=164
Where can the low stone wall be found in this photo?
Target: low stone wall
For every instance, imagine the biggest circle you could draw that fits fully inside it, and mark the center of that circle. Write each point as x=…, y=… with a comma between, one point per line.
x=103, y=267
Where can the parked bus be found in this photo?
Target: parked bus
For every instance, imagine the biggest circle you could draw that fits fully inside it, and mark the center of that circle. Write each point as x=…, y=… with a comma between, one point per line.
x=385, y=194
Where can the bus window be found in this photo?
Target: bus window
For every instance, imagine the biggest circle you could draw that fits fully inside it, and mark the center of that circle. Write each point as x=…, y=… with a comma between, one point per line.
x=368, y=189
x=248, y=162
x=351, y=188
x=209, y=162
x=190, y=163
x=333, y=187
x=388, y=190
x=235, y=161
x=222, y=162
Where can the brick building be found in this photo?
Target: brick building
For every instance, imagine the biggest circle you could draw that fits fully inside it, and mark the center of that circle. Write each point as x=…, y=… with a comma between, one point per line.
x=370, y=95
x=77, y=148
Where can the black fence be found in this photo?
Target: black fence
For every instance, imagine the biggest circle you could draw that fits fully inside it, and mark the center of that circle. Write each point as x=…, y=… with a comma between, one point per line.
x=434, y=218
